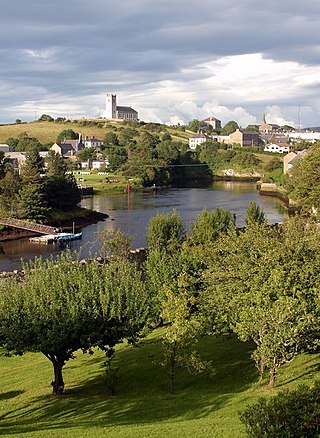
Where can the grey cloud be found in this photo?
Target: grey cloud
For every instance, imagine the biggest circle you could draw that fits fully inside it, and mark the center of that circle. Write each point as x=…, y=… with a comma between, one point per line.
x=94, y=45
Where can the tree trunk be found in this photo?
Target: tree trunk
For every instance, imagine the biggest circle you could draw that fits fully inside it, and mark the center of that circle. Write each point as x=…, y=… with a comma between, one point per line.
x=273, y=376
x=58, y=383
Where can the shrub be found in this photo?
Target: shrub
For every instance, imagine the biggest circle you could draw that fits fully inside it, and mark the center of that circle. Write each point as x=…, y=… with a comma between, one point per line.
x=289, y=414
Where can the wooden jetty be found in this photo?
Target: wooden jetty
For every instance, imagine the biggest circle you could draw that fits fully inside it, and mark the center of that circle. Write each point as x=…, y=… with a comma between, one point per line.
x=29, y=226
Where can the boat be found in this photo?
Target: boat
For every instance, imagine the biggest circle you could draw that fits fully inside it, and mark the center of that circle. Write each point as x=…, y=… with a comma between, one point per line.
x=56, y=238
x=66, y=237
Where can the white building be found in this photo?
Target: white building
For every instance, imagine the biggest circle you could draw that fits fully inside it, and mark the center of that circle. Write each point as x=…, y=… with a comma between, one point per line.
x=196, y=140
x=92, y=142
x=280, y=149
x=312, y=136
x=118, y=112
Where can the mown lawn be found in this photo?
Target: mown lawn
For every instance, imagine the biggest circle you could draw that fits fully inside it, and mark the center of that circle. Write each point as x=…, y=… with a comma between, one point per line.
x=203, y=406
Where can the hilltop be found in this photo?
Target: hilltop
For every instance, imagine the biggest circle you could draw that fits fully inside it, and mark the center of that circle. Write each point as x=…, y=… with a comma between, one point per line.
x=47, y=132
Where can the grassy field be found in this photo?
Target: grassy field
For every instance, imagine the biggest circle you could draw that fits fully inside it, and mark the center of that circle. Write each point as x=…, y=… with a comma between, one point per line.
x=47, y=132
x=203, y=406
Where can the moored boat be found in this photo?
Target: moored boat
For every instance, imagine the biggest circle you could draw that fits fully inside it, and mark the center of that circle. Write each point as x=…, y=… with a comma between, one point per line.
x=55, y=238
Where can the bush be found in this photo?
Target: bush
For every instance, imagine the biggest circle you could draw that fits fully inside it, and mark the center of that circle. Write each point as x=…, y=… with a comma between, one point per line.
x=289, y=414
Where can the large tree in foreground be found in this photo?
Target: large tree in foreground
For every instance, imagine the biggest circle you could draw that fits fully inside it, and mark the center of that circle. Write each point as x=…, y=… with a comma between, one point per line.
x=263, y=284
x=63, y=306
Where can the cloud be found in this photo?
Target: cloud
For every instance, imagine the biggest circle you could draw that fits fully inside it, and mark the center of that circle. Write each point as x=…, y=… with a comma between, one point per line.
x=166, y=59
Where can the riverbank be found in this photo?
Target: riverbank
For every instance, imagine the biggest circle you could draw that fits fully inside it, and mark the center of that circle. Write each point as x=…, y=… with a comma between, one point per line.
x=87, y=217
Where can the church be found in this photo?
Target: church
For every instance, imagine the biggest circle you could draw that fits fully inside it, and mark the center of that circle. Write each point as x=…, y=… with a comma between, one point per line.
x=115, y=112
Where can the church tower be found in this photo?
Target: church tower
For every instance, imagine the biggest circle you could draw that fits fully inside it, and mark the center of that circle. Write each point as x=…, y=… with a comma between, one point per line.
x=111, y=106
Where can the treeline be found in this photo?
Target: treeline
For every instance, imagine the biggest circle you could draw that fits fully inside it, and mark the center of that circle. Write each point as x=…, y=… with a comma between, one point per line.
x=37, y=191
x=148, y=151
x=259, y=283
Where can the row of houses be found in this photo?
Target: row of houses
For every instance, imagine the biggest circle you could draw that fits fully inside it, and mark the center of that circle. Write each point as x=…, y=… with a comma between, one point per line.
x=270, y=137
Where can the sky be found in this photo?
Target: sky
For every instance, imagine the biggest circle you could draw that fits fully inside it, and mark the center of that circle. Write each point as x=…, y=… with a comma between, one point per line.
x=171, y=60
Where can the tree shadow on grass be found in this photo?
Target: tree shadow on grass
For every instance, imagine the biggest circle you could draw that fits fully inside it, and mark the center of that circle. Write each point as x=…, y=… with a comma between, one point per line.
x=143, y=396
x=9, y=394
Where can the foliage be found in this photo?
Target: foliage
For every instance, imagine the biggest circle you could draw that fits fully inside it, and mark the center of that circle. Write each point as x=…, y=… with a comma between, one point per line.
x=62, y=306
x=32, y=197
x=66, y=133
x=4, y=165
x=273, y=164
x=262, y=284
x=194, y=125
x=180, y=337
x=117, y=156
x=303, y=184
x=165, y=231
x=10, y=186
x=229, y=128
x=87, y=154
x=46, y=118
x=255, y=214
x=115, y=243
x=210, y=224
x=292, y=414
x=246, y=159
x=26, y=143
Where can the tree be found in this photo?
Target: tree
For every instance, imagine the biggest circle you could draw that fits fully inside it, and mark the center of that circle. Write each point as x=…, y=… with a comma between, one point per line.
x=229, y=128
x=261, y=283
x=255, y=214
x=303, y=183
x=46, y=118
x=111, y=139
x=165, y=231
x=210, y=224
x=31, y=196
x=66, y=133
x=4, y=165
x=194, y=125
x=62, y=306
x=10, y=185
x=117, y=156
x=60, y=189
x=87, y=154
x=180, y=337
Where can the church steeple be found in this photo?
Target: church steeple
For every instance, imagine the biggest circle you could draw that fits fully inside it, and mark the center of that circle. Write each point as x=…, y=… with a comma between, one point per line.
x=264, y=122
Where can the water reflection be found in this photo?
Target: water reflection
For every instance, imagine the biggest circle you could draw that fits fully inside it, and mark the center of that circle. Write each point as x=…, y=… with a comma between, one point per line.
x=132, y=213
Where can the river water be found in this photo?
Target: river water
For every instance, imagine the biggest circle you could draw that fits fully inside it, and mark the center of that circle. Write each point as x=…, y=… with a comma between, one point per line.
x=132, y=213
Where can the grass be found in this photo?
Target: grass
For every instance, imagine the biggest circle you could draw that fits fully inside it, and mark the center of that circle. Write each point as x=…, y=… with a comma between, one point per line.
x=203, y=406
x=47, y=132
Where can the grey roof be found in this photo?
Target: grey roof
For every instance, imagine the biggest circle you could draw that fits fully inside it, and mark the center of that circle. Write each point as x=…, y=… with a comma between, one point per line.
x=126, y=109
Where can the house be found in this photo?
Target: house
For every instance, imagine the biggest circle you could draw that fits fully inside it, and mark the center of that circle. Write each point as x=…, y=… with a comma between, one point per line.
x=291, y=158
x=94, y=164
x=92, y=142
x=196, y=140
x=277, y=148
x=63, y=149
x=76, y=144
x=119, y=112
x=212, y=121
x=17, y=159
x=5, y=148
x=244, y=138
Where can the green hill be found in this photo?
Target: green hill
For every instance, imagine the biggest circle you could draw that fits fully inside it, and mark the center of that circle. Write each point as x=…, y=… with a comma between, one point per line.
x=47, y=132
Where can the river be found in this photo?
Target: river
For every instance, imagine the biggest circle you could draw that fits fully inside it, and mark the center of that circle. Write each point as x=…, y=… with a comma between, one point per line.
x=132, y=213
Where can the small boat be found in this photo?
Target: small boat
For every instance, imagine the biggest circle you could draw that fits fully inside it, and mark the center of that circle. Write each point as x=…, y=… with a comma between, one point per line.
x=66, y=237
x=55, y=238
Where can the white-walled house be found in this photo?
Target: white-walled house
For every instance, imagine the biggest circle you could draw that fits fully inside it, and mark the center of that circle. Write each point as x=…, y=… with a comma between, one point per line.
x=279, y=149
x=196, y=140
x=92, y=142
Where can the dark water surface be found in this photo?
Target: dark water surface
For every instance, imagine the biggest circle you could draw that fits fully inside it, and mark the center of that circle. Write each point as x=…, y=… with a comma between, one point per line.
x=132, y=213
